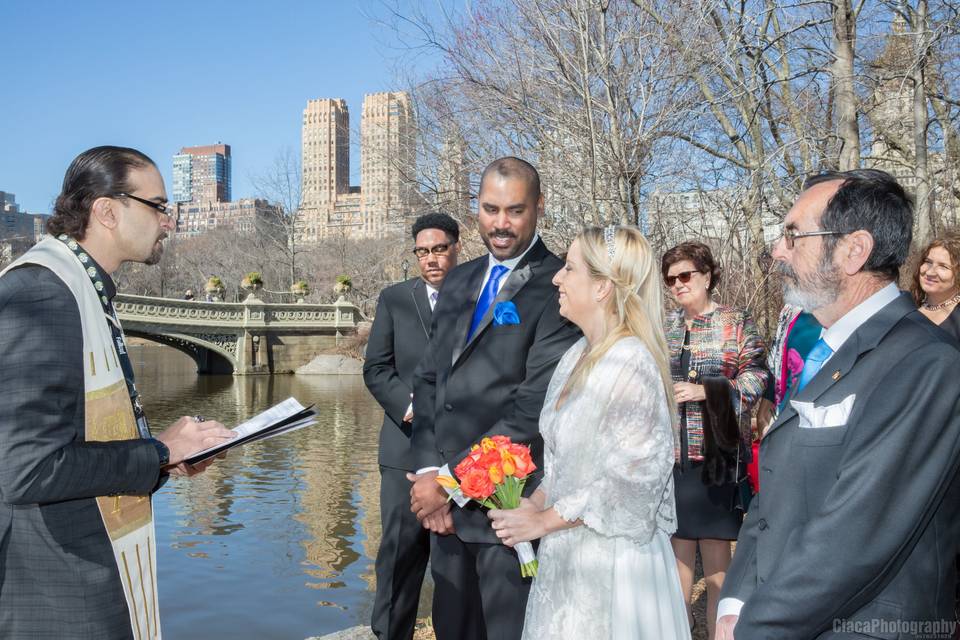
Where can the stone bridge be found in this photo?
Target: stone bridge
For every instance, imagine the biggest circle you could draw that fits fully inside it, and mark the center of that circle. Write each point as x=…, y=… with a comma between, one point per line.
x=250, y=337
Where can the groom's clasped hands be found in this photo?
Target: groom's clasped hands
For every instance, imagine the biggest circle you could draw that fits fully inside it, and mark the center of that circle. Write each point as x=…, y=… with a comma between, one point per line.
x=430, y=503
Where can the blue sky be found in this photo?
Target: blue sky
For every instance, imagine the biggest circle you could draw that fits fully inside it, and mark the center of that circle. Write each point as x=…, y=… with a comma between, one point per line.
x=161, y=75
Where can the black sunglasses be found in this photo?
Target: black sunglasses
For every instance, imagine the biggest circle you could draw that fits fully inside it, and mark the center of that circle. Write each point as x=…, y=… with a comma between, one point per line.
x=162, y=208
x=683, y=276
x=437, y=250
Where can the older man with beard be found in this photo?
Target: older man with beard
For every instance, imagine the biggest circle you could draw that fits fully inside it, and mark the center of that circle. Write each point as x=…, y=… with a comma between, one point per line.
x=855, y=529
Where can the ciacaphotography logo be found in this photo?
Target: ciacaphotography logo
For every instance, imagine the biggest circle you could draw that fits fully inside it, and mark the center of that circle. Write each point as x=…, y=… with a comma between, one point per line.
x=920, y=629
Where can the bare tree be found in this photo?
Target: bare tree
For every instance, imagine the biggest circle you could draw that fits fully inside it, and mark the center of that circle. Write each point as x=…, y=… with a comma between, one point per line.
x=282, y=185
x=579, y=87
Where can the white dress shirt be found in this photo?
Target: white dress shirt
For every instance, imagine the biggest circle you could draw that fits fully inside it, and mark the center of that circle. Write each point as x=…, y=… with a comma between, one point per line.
x=835, y=336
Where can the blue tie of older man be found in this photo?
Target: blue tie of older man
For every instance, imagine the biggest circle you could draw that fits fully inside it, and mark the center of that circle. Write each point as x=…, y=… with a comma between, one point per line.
x=819, y=354
x=486, y=297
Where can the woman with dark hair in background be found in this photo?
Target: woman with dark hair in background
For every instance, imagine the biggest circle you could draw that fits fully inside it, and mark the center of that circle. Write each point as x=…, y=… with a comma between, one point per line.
x=719, y=373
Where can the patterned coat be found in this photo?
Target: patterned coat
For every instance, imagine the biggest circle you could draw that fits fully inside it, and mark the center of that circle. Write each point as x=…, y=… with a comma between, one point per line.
x=724, y=342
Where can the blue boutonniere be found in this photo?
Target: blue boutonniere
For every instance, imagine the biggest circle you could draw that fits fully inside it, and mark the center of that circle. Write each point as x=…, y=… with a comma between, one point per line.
x=505, y=313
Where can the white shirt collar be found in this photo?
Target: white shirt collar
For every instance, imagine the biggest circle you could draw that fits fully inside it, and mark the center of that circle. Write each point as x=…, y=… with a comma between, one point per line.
x=510, y=264
x=843, y=328
x=430, y=291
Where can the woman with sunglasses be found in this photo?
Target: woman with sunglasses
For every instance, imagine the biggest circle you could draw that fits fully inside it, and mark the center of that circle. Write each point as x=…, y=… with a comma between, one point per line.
x=717, y=361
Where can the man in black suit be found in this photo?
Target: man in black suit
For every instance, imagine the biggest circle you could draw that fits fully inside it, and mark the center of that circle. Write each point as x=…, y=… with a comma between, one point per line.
x=398, y=339
x=855, y=529
x=484, y=373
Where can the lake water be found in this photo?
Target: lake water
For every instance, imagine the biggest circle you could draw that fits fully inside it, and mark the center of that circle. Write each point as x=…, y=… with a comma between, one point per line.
x=278, y=540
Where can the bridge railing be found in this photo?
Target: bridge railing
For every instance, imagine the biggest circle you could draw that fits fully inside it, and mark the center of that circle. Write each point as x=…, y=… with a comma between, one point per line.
x=252, y=314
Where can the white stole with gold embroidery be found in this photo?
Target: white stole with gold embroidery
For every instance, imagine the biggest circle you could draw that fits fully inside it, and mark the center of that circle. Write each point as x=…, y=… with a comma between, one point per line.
x=109, y=416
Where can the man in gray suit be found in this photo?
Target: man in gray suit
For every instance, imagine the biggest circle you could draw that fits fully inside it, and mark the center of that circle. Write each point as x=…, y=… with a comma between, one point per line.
x=398, y=338
x=72, y=468
x=855, y=530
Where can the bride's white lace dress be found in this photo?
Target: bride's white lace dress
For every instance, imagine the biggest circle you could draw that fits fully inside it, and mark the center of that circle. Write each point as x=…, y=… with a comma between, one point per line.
x=608, y=461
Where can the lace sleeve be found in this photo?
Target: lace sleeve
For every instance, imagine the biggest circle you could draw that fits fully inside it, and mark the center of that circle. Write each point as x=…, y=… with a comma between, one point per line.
x=633, y=456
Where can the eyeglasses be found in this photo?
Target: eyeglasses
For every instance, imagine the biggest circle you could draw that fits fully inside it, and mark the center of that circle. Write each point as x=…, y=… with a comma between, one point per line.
x=683, y=276
x=162, y=208
x=791, y=235
x=437, y=250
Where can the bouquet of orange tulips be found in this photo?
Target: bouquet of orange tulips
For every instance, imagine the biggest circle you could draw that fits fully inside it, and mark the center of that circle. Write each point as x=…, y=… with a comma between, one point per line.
x=493, y=475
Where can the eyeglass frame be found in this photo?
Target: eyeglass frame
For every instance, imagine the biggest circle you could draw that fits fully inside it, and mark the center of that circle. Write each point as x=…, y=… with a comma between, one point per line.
x=683, y=277
x=164, y=209
x=423, y=252
x=790, y=236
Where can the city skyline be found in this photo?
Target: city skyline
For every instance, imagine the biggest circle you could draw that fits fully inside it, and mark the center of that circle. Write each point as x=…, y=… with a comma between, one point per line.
x=386, y=195
x=140, y=87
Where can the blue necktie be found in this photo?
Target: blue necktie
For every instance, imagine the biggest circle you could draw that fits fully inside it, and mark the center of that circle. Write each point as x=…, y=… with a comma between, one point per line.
x=814, y=361
x=486, y=297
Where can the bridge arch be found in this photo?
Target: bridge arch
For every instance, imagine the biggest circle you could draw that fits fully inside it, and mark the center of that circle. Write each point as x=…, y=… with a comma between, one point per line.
x=209, y=357
x=251, y=337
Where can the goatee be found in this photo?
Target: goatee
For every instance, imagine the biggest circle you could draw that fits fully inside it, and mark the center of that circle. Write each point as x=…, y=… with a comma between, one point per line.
x=156, y=254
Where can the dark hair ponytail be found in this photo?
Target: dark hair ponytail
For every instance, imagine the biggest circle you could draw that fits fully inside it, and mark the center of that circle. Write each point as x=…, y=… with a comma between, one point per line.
x=95, y=173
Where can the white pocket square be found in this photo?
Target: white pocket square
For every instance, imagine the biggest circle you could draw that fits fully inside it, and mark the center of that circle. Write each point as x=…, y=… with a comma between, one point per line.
x=834, y=415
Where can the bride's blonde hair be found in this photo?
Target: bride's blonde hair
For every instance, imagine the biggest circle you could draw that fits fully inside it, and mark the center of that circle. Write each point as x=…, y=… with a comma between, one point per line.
x=622, y=256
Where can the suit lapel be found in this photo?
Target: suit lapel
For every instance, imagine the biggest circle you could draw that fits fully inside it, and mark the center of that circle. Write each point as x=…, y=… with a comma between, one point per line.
x=422, y=305
x=516, y=279
x=832, y=372
x=864, y=339
x=474, y=284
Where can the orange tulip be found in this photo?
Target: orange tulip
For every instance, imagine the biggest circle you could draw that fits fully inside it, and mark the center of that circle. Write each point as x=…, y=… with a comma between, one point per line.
x=447, y=482
x=509, y=468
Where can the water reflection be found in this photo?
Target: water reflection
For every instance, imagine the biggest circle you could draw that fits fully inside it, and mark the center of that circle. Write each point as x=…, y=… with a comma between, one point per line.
x=278, y=540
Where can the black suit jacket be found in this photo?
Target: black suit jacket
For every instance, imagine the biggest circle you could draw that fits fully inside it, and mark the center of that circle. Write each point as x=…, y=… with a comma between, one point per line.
x=495, y=383
x=858, y=521
x=397, y=341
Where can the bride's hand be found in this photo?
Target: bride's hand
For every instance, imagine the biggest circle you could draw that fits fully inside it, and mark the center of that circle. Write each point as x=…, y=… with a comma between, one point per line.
x=518, y=525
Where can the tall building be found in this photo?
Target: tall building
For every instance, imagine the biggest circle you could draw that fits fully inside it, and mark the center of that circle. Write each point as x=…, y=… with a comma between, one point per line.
x=387, y=193
x=325, y=163
x=387, y=162
x=325, y=144
x=8, y=202
x=202, y=174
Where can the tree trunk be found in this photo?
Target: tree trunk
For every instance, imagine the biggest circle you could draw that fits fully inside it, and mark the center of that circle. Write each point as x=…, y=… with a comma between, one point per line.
x=926, y=223
x=844, y=96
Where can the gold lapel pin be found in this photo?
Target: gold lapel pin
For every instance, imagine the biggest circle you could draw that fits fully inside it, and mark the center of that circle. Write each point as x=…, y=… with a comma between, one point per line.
x=836, y=375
